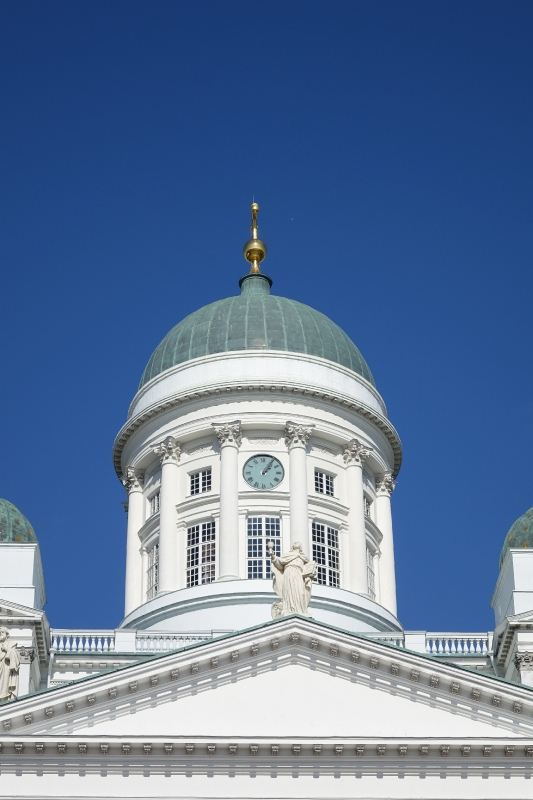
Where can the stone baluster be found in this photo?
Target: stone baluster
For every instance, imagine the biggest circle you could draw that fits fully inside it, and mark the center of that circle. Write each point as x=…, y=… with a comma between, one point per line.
x=229, y=437
x=169, y=452
x=132, y=480
x=297, y=438
x=384, y=488
x=355, y=455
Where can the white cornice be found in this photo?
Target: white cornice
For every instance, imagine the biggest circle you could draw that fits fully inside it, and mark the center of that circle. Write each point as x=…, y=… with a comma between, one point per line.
x=273, y=388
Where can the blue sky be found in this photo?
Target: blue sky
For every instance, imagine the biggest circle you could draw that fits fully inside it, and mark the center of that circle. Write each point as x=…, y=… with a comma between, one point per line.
x=389, y=146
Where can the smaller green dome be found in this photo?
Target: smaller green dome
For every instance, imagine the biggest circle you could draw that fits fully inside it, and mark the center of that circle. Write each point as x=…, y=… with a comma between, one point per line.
x=520, y=534
x=14, y=527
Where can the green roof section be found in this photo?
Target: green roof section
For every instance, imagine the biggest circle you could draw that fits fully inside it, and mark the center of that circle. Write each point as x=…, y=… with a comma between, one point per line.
x=14, y=527
x=255, y=320
x=520, y=534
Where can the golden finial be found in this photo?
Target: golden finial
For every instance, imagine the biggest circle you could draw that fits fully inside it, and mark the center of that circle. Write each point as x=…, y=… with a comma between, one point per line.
x=254, y=250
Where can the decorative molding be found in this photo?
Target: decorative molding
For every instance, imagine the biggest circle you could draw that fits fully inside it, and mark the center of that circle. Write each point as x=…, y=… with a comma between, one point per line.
x=297, y=435
x=132, y=480
x=355, y=453
x=169, y=450
x=229, y=433
x=266, y=440
x=523, y=661
x=26, y=654
x=385, y=483
x=199, y=448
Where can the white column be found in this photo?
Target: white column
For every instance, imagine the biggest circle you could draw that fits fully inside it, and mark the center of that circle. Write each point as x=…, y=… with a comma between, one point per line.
x=229, y=438
x=384, y=488
x=169, y=454
x=132, y=480
x=297, y=438
x=355, y=455
x=524, y=664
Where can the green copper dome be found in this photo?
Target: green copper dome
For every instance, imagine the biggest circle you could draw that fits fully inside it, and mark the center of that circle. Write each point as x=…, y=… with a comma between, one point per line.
x=14, y=527
x=255, y=320
x=520, y=534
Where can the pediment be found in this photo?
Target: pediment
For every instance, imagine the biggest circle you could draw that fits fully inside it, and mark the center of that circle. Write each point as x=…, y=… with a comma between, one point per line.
x=15, y=613
x=289, y=678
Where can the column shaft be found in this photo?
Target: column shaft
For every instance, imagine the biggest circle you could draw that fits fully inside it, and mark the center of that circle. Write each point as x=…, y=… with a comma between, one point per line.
x=357, y=578
x=229, y=437
x=169, y=453
x=296, y=439
x=385, y=485
x=132, y=480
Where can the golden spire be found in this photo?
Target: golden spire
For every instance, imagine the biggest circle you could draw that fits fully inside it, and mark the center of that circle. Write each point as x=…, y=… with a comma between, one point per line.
x=254, y=250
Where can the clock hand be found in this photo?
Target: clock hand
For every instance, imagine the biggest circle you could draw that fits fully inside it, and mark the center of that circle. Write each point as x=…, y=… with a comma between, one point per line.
x=268, y=466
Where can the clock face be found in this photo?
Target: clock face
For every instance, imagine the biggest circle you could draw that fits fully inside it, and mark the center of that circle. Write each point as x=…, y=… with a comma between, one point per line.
x=263, y=472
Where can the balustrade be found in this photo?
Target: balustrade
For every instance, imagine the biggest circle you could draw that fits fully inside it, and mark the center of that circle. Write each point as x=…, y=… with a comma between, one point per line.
x=65, y=641
x=458, y=644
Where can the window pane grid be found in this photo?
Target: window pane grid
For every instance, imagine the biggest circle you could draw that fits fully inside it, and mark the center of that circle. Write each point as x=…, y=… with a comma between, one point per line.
x=152, y=573
x=155, y=503
x=324, y=483
x=370, y=574
x=201, y=554
x=262, y=530
x=200, y=481
x=326, y=554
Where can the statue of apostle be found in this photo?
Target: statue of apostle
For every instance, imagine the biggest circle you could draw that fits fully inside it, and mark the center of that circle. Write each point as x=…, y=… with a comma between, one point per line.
x=9, y=667
x=293, y=574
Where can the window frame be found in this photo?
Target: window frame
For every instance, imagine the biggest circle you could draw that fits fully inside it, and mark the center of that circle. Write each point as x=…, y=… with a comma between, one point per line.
x=324, y=476
x=326, y=550
x=200, y=553
x=259, y=561
x=202, y=475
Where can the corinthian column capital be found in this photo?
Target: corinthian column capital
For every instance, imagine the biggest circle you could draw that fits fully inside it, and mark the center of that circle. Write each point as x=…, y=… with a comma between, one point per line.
x=523, y=661
x=132, y=479
x=296, y=434
x=229, y=433
x=169, y=451
x=385, y=483
x=355, y=452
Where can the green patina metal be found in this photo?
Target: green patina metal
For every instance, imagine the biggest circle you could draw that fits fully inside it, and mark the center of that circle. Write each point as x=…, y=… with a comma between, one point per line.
x=520, y=534
x=255, y=320
x=14, y=527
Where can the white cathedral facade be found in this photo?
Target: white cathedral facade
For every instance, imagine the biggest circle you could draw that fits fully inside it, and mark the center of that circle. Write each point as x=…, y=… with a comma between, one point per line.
x=257, y=425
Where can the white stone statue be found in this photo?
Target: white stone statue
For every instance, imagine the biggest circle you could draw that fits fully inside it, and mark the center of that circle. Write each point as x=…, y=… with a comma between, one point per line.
x=9, y=667
x=293, y=573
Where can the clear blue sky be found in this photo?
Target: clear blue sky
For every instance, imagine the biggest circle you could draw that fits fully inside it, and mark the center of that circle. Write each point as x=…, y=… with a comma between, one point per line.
x=389, y=145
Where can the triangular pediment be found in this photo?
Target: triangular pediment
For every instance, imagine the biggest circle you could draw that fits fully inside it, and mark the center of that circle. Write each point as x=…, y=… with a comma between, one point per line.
x=14, y=613
x=290, y=678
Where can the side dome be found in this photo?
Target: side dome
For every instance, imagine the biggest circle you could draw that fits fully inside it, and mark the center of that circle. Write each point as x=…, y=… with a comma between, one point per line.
x=520, y=534
x=255, y=320
x=14, y=527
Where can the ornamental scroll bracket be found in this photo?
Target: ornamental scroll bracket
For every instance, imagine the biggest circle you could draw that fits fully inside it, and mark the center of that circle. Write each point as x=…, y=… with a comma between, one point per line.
x=385, y=483
x=355, y=452
x=229, y=433
x=296, y=434
x=132, y=479
x=169, y=450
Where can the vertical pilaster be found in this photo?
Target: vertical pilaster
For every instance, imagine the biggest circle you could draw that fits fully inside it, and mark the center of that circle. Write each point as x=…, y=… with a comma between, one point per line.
x=524, y=664
x=132, y=480
x=297, y=438
x=169, y=452
x=384, y=488
x=355, y=455
x=229, y=437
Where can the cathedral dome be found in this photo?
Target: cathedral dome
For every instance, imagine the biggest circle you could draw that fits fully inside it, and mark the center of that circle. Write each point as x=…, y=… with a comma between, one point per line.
x=255, y=320
x=14, y=527
x=520, y=534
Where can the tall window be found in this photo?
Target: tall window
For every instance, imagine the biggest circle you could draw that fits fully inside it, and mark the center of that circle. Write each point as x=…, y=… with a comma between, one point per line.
x=201, y=481
x=201, y=554
x=370, y=574
x=155, y=503
x=367, y=503
x=324, y=483
x=261, y=531
x=152, y=573
x=326, y=553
